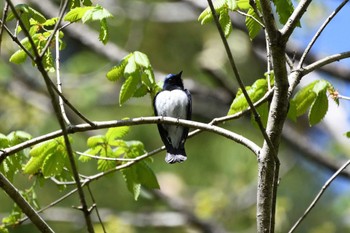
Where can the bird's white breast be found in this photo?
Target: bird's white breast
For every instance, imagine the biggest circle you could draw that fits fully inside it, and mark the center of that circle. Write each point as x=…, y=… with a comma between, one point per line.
x=173, y=104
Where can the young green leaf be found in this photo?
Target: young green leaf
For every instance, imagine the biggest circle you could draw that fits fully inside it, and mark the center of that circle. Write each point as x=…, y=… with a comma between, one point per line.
x=243, y=4
x=304, y=98
x=118, y=71
x=141, y=59
x=105, y=165
x=18, y=57
x=141, y=91
x=225, y=22
x=128, y=88
x=146, y=176
x=96, y=13
x=132, y=182
x=95, y=141
x=54, y=163
x=103, y=36
x=76, y=14
x=347, y=134
x=252, y=24
x=318, y=108
x=116, y=133
x=292, y=112
x=131, y=66
x=4, y=141
x=284, y=9
x=255, y=92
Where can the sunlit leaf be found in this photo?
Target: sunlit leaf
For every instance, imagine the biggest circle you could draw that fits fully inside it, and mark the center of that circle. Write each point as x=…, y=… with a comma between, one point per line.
x=4, y=141
x=103, y=36
x=95, y=140
x=128, y=88
x=252, y=24
x=76, y=14
x=304, y=98
x=255, y=92
x=318, y=108
x=116, y=133
x=225, y=22
x=141, y=59
x=243, y=4
x=53, y=164
x=96, y=13
x=118, y=71
x=132, y=182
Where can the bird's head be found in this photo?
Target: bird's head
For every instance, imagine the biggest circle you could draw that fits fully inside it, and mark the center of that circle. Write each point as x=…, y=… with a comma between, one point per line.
x=173, y=81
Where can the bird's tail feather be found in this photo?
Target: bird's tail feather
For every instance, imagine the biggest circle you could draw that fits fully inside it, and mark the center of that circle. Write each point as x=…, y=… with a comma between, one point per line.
x=175, y=158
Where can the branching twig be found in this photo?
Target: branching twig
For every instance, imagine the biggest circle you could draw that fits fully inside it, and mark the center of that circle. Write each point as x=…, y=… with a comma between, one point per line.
x=319, y=31
x=319, y=195
x=294, y=19
x=2, y=23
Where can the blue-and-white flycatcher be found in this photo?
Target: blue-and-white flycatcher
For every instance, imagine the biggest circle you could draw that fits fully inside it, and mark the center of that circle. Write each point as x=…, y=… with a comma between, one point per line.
x=173, y=101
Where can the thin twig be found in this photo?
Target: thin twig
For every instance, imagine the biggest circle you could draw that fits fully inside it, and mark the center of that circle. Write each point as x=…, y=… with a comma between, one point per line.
x=104, y=158
x=2, y=23
x=319, y=31
x=133, y=121
x=96, y=208
x=58, y=78
x=294, y=19
x=250, y=16
x=319, y=195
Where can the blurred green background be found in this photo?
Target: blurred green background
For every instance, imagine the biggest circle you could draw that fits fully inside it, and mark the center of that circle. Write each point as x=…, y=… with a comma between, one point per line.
x=218, y=181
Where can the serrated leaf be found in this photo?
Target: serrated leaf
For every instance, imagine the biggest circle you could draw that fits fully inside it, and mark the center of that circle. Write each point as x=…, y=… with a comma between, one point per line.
x=43, y=148
x=18, y=57
x=318, y=108
x=206, y=16
x=147, y=77
x=131, y=66
x=54, y=163
x=232, y=4
x=116, y=133
x=26, y=12
x=105, y=165
x=117, y=71
x=225, y=22
x=128, y=88
x=132, y=182
x=304, y=98
x=136, y=148
x=251, y=23
x=284, y=9
x=18, y=136
x=34, y=164
x=92, y=151
x=103, y=36
x=96, y=140
x=96, y=13
x=146, y=176
x=76, y=14
x=4, y=141
x=50, y=22
x=141, y=59
x=255, y=92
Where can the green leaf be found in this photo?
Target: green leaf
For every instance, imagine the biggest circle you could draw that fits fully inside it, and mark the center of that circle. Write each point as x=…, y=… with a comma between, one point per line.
x=136, y=148
x=26, y=13
x=132, y=182
x=76, y=14
x=54, y=163
x=96, y=140
x=263, y=111
x=304, y=98
x=206, y=16
x=243, y=4
x=18, y=136
x=232, y=4
x=255, y=92
x=225, y=22
x=320, y=86
x=92, y=151
x=50, y=22
x=96, y=13
x=34, y=164
x=131, y=66
x=292, y=111
x=251, y=23
x=347, y=134
x=105, y=165
x=118, y=71
x=116, y=133
x=128, y=88
x=4, y=141
x=284, y=9
x=103, y=36
x=18, y=57
x=42, y=148
x=147, y=77
x=146, y=176
x=318, y=108
x=141, y=59
x=141, y=91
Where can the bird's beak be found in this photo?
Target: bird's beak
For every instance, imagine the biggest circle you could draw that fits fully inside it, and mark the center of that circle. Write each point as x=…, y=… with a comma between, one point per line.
x=179, y=74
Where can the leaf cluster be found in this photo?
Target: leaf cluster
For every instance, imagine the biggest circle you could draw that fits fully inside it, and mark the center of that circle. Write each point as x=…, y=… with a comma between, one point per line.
x=253, y=21
x=137, y=71
x=111, y=145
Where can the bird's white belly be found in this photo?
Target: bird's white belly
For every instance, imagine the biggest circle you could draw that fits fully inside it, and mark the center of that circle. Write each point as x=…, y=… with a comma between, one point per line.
x=172, y=104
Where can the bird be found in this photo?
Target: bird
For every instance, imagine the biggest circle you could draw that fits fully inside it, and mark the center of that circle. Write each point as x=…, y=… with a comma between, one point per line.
x=173, y=101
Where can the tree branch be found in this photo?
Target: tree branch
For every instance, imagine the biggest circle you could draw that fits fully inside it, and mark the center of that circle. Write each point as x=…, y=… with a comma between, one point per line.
x=15, y=195
x=294, y=19
x=319, y=195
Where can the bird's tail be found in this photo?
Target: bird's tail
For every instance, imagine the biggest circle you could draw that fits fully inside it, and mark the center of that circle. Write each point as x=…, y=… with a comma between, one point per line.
x=176, y=156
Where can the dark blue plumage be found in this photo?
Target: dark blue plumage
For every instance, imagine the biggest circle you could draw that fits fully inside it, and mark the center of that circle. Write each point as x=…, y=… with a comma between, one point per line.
x=173, y=101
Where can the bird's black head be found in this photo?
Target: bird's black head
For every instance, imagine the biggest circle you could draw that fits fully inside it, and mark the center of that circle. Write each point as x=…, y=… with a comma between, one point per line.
x=173, y=81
